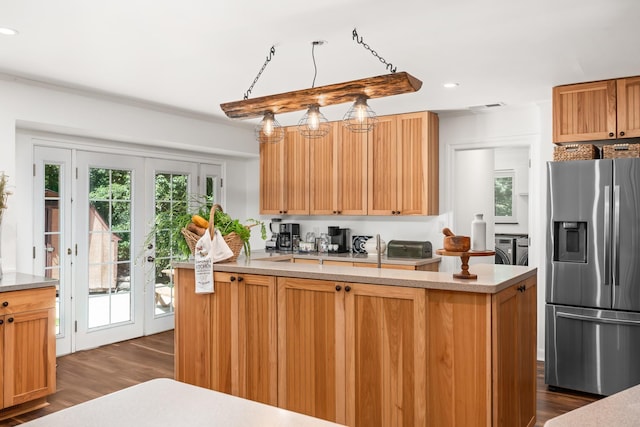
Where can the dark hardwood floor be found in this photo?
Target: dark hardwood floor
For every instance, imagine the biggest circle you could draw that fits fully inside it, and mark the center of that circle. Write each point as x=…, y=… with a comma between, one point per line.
x=89, y=374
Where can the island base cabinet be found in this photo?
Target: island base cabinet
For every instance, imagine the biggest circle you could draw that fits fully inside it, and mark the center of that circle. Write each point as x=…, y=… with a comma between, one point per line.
x=352, y=353
x=27, y=350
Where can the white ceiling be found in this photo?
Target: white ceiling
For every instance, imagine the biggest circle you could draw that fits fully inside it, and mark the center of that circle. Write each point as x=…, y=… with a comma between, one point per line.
x=196, y=54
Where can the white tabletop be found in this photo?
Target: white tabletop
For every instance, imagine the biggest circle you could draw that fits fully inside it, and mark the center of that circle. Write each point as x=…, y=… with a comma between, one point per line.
x=164, y=402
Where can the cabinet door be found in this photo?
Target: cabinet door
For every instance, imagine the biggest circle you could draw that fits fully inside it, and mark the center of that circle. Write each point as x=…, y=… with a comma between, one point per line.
x=257, y=339
x=417, y=167
x=352, y=172
x=628, y=96
x=385, y=355
x=29, y=356
x=584, y=112
x=382, y=167
x=323, y=160
x=296, y=179
x=514, y=358
x=272, y=178
x=192, y=331
x=311, y=348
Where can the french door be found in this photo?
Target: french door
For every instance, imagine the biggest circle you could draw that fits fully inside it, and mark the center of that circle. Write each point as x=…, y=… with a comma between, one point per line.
x=105, y=237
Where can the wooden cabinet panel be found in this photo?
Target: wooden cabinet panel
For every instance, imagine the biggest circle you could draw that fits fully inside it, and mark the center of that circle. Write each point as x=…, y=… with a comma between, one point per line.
x=284, y=175
x=403, y=165
x=192, y=331
x=311, y=348
x=458, y=359
x=514, y=355
x=323, y=169
x=584, y=112
x=30, y=353
x=224, y=334
x=271, y=178
x=352, y=172
x=385, y=347
x=628, y=103
x=257, y=342
x=382, y=167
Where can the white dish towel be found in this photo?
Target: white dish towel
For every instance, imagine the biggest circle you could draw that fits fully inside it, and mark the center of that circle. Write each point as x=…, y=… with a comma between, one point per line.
x=209, y=251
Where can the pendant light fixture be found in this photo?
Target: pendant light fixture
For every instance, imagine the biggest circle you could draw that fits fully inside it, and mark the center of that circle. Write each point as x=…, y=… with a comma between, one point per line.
x=269, y=130
x=360, y=117
x=313, y=124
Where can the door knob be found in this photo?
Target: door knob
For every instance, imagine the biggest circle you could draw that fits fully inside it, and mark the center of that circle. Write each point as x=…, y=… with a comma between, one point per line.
x=150, y=258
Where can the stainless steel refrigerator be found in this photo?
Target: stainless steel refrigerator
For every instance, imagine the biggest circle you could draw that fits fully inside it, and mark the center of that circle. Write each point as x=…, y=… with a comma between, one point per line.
x=593, y=275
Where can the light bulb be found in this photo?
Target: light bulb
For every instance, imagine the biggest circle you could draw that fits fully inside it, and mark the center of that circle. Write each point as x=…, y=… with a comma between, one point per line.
x=314, y=119
x=361, y=112
x=267, y=125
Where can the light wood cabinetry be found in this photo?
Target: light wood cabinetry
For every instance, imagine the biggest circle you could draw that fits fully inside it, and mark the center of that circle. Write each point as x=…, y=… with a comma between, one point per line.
x=514, y=360
x=27, y=349
x=403, y=165
x=392, y=170
x=284, y=175
x=602, y=110
x=226, y=341
x=351, y=353
x=338, y=173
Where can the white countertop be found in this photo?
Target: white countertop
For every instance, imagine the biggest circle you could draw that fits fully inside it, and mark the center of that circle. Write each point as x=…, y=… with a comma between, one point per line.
x=347, y=257
x=165, y=402
x=491, y=279
x=620, y=410
x=21, y=281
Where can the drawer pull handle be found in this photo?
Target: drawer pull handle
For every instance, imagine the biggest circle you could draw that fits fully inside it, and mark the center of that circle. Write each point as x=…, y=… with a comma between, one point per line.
x=338, y=288
x=5, y=304
x=347, y=288
x=10, y=319
x=233, y=278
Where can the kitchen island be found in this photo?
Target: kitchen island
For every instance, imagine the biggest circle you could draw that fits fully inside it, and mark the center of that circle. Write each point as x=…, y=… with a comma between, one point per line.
x=364, y=346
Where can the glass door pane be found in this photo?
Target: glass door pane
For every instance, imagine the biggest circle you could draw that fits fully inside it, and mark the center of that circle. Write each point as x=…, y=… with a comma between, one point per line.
x=110, y=261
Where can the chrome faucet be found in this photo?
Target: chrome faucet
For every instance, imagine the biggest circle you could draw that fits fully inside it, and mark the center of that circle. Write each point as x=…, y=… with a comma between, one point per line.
x=378, y=251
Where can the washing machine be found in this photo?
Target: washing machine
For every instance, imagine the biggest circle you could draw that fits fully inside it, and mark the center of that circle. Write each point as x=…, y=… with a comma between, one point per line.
x=522, y=251
x=505, y=249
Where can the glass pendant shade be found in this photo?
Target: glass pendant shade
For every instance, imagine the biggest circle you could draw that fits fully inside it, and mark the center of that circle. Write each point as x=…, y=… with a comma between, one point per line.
x=360, y=117
x=313, y=124
x=269, y=130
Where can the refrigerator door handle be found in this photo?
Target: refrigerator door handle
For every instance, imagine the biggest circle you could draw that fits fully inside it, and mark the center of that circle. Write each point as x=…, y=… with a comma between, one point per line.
x=607, y=236
x=616, y=235
x=598, y=319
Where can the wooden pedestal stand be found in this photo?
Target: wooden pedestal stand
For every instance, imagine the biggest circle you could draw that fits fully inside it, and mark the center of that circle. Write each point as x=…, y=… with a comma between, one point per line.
x=464, y=256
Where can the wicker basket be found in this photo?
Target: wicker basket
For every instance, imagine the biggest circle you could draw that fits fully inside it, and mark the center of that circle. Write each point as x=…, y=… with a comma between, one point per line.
x=617, y=151
x=233, y=240
x=575, y=152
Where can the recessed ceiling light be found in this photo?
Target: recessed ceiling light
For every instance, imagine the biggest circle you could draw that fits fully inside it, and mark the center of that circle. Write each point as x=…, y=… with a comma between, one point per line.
x=8, y=31
x=451, y=85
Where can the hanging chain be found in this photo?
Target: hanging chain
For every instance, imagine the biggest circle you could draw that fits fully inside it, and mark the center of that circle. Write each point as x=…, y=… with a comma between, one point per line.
x=360, y=40
x=272, y=53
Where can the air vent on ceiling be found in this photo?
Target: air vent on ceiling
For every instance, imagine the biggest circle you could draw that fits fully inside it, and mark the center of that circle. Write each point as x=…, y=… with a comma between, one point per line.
x=486, y=106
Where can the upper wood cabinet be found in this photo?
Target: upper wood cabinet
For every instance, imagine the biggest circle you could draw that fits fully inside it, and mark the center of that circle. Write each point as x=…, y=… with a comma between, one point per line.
x=284, y=175
x=392, y=170
x=608, y=109
x=338, y=173
x=403, y=165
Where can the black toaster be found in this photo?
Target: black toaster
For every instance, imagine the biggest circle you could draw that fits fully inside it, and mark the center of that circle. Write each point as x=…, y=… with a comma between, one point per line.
x=409, y=249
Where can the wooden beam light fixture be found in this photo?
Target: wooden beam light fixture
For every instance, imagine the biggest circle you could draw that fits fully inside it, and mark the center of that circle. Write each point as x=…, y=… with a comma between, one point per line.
x=359, y=118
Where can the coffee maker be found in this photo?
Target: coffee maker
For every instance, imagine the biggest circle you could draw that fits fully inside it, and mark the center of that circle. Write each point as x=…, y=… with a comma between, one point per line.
x=288, y=233
x=338, y=240
x=274, y=227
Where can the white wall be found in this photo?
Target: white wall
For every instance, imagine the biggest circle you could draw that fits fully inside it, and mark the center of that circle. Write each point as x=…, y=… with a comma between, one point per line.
x=51, y=109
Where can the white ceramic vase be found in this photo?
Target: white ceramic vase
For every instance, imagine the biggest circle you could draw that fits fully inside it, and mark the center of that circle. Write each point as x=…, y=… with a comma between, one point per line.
x=478, y=233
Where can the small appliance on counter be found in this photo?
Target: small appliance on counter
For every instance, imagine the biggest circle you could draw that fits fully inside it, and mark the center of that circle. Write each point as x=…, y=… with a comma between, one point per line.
x=358, y=242
x=274, y=227
x=289, y=232
x=339, y=239
x=409, y=249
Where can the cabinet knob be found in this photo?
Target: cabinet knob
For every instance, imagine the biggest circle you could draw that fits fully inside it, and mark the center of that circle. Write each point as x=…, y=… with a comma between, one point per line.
x=233, y=278
x=10, y=320
x=621, y=133
x=611, y=134
x=1, y=321
x=240, y=279
x=281, y=211
x=5, y=304
x=339, y=212
x=335, y=212
x=338, y=288
x=347, y=288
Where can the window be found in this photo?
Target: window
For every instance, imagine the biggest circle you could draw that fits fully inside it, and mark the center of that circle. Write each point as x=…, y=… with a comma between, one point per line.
x=504, y=194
